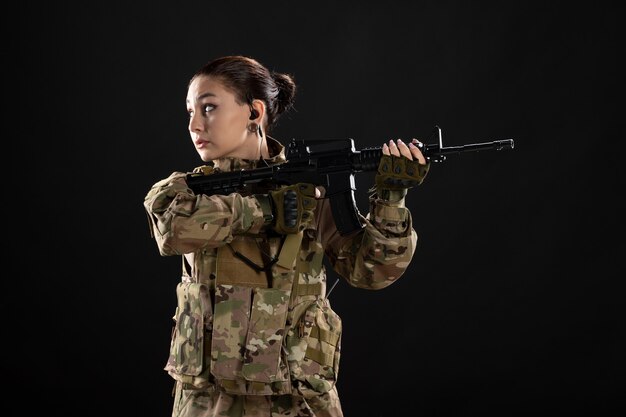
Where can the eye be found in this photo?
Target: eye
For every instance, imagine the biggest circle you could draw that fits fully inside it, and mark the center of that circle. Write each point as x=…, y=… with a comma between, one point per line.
x=208, y=107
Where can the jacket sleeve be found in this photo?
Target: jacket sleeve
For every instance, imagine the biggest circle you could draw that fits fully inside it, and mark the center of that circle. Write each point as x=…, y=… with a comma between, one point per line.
x=377, y=255
x=182, y=222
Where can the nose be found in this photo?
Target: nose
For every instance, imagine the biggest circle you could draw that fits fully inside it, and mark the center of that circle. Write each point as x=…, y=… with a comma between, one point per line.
x=196, y=124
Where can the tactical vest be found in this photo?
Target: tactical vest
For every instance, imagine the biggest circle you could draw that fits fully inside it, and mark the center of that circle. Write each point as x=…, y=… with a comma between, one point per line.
x=262, y=324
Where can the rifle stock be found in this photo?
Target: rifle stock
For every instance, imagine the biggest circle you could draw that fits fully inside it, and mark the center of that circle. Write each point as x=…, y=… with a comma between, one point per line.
x=328, y=163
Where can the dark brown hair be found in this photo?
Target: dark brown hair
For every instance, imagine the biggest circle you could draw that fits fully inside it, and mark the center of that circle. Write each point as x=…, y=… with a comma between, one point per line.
x=249, y=80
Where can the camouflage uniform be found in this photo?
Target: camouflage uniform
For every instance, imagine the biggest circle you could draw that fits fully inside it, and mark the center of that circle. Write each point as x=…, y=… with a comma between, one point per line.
x=257, y=343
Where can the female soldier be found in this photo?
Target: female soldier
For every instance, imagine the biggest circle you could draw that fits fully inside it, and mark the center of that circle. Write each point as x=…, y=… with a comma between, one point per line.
x=254, y=333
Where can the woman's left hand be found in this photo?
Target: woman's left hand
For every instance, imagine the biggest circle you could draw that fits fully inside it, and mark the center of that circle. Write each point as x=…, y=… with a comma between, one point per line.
x=410, y=151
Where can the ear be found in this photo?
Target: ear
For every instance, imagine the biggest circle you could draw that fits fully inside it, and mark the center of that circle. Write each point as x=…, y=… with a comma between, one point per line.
x=259, y=108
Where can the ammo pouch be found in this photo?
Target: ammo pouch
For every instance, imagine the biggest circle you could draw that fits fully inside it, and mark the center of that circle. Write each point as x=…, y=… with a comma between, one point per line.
x=190, y=336
x=248, y=324
x=313, y=346
x=248, y=333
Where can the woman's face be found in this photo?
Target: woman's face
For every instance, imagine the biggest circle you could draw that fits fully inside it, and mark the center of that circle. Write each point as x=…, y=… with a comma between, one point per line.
x=217, y=123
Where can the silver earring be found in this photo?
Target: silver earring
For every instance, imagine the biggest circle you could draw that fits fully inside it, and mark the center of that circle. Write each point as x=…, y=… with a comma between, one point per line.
x=253, y=127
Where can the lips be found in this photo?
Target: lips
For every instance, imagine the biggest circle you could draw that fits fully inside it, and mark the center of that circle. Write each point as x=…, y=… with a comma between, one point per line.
x=200, y=143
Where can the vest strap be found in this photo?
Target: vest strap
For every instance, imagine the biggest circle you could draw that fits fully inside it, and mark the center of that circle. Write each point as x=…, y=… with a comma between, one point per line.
x=289, y=251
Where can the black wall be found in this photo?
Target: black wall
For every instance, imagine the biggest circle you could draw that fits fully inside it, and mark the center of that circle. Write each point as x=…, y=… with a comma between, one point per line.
x=511, y=303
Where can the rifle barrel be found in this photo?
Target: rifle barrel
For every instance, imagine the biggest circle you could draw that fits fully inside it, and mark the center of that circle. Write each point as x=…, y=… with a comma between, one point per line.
x=367, y=159
x=494, y=145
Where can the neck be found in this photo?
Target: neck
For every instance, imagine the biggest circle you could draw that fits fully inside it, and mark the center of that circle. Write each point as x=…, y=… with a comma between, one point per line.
x=255, y=149
x=263, y=152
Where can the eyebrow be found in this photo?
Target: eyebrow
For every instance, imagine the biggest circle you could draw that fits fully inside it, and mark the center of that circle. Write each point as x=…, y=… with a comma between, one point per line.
x=201, y=96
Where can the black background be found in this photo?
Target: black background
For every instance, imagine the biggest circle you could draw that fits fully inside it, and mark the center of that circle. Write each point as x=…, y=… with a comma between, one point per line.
x=511, y=303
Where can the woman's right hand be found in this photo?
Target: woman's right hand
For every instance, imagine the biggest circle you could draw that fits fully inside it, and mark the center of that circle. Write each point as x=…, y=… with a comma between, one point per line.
x=293, y=207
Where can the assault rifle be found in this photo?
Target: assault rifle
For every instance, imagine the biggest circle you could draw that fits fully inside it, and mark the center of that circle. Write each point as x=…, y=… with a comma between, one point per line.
x=331, y=164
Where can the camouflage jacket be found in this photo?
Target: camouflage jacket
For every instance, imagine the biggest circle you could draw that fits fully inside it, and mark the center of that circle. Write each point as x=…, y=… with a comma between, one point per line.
x=268, y=332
